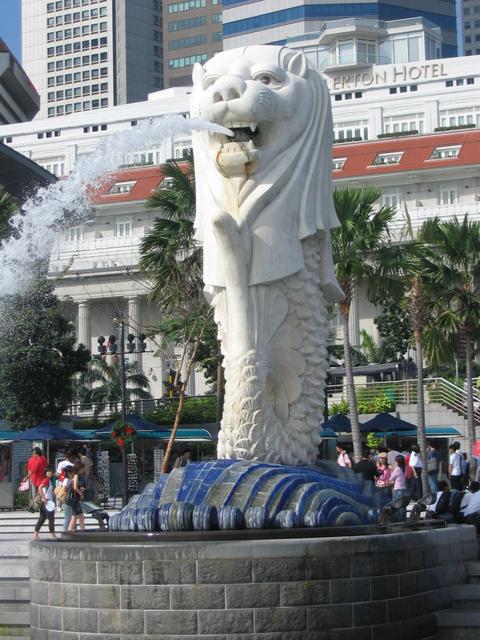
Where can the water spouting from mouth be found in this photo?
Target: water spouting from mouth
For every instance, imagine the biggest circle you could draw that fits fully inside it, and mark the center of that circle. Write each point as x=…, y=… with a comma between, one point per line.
x=66, y=203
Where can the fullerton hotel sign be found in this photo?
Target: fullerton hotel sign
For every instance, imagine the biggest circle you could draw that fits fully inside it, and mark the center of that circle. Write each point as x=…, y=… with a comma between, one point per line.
x=391, y=75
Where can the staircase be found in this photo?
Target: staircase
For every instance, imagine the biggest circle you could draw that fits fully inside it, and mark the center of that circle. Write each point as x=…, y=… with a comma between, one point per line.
x=14, y=588
x=16, y=528
x=462, y=621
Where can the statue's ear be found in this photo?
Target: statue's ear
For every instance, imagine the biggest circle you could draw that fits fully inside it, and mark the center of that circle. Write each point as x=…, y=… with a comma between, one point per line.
x=198, y=73
x=296, y=63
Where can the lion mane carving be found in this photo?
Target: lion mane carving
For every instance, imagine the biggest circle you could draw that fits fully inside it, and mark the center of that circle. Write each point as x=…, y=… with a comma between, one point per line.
x=264, y=214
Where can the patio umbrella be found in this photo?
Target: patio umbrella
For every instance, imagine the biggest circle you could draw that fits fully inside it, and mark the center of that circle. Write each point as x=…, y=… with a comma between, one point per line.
x=47, y=431
x=138, y=422
x=338, y=423
x=384, y=422
x=327, y=434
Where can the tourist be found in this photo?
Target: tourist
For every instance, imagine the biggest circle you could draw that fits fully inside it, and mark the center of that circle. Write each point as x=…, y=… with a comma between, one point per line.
x=183, y=459
x=47, y=505
x=366, y=467
x=78, y=486
x=383, y=478
x=472, y=510
x=343, y=459
x=36, y=465
x=87, y=464
x=455, y=467
x=465, y=466
x=399, y=486
x=416, y=465
x=66, y=485
x=434, y=460
x=70, y=460
x=442, y=501
x=392, y=455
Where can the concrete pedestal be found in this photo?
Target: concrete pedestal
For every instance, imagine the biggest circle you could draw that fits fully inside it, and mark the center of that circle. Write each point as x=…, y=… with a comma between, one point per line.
x=339, y=588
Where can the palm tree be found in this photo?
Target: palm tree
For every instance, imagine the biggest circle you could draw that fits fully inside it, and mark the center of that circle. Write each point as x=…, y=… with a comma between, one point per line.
x=101, y=385
x=170, y=256
x=172, y=261
x=453, y=266
x=361, y=254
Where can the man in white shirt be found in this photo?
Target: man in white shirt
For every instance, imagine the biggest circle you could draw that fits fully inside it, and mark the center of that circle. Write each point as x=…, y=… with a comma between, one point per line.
x=455, y=468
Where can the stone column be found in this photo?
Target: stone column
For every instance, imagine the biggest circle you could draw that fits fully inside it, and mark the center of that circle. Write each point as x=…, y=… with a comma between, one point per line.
x=83, y=324
x=353, y=322
x=134, y=324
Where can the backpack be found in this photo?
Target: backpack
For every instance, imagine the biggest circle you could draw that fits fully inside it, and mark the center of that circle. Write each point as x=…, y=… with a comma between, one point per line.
x=455, y=502
x=60, y=493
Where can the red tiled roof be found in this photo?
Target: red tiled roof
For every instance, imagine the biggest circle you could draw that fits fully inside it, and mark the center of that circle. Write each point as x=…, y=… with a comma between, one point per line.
x=417, y=151
x=146, y=180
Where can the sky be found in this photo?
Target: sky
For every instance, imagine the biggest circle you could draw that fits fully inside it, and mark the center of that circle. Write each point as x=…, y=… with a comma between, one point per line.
x=10, y=29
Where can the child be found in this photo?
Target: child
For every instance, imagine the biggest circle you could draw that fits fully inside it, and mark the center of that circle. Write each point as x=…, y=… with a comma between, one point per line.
x=47, y=505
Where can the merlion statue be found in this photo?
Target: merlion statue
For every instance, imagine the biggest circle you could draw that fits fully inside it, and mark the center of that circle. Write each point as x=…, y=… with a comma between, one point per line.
x=264, y=214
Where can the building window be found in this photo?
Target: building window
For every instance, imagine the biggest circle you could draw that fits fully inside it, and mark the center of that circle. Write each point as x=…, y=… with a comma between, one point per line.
x=182, y=43
x=188, y=5
x=179, y=63
x=388, y=158
x=391, y=199
x=122, y=187
x=338, y=163
x=459, y=117
x=447, y=195
x=399, y=124
x=355, y=129
x=123, y=227
x=441, y=153
x=180, y=148
x=54, y=165
x=74, y=234
x=190, y=23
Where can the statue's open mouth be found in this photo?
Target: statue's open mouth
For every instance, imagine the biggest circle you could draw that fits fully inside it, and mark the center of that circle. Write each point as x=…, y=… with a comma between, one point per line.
x=242, y=132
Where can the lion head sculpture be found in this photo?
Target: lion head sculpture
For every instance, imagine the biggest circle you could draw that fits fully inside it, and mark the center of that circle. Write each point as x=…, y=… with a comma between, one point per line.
x=274, y=175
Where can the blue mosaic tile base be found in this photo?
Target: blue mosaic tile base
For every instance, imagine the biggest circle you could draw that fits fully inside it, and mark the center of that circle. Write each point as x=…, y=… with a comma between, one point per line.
x=238, y=494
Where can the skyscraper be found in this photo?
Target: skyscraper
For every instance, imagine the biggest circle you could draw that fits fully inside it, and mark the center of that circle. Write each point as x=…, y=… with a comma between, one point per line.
x=471, y=27
x=192, y=32
x=246, y=22
x=89, y=54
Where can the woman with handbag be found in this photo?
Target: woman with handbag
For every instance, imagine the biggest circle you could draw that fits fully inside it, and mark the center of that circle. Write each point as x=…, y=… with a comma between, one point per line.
x=47, y=505
x=64, y=495
x=78, y=490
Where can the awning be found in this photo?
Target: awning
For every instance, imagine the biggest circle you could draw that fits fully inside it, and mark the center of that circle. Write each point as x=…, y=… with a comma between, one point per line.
x=430, y=432
x=182, y=435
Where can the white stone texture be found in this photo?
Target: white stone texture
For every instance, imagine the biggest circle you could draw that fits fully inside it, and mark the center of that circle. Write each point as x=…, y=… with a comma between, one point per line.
x=264, y=214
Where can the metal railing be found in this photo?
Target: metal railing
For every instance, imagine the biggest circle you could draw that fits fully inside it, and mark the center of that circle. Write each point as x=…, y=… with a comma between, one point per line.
x=404, y=392
x=85, y=411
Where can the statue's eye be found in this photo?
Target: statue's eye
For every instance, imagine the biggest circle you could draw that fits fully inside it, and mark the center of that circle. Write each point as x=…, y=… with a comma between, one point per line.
x=264, y=79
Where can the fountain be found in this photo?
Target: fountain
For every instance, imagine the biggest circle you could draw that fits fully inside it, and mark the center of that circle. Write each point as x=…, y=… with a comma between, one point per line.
x=263, y=542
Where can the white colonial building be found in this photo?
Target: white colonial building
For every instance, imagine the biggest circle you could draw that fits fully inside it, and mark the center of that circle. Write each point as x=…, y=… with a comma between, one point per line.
x=409, y=127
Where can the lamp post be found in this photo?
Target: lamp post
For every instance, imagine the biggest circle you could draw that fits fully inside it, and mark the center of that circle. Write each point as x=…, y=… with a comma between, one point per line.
x=112, y=349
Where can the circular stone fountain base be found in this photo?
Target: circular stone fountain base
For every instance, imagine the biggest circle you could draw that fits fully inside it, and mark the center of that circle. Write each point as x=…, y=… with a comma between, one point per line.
x=316, y=588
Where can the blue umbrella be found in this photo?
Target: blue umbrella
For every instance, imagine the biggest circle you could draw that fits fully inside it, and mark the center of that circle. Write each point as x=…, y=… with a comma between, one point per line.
x=338, y=423
x=138, y=422
x=384, y=422
x=47, y=431
x=327, y=433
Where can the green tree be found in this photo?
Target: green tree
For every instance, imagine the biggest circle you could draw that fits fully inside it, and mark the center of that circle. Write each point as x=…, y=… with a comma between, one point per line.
x=38, y=359
x=453, y=268
x=101, y=385
x=395, y=328
x=361, y=255
x=7, y=210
